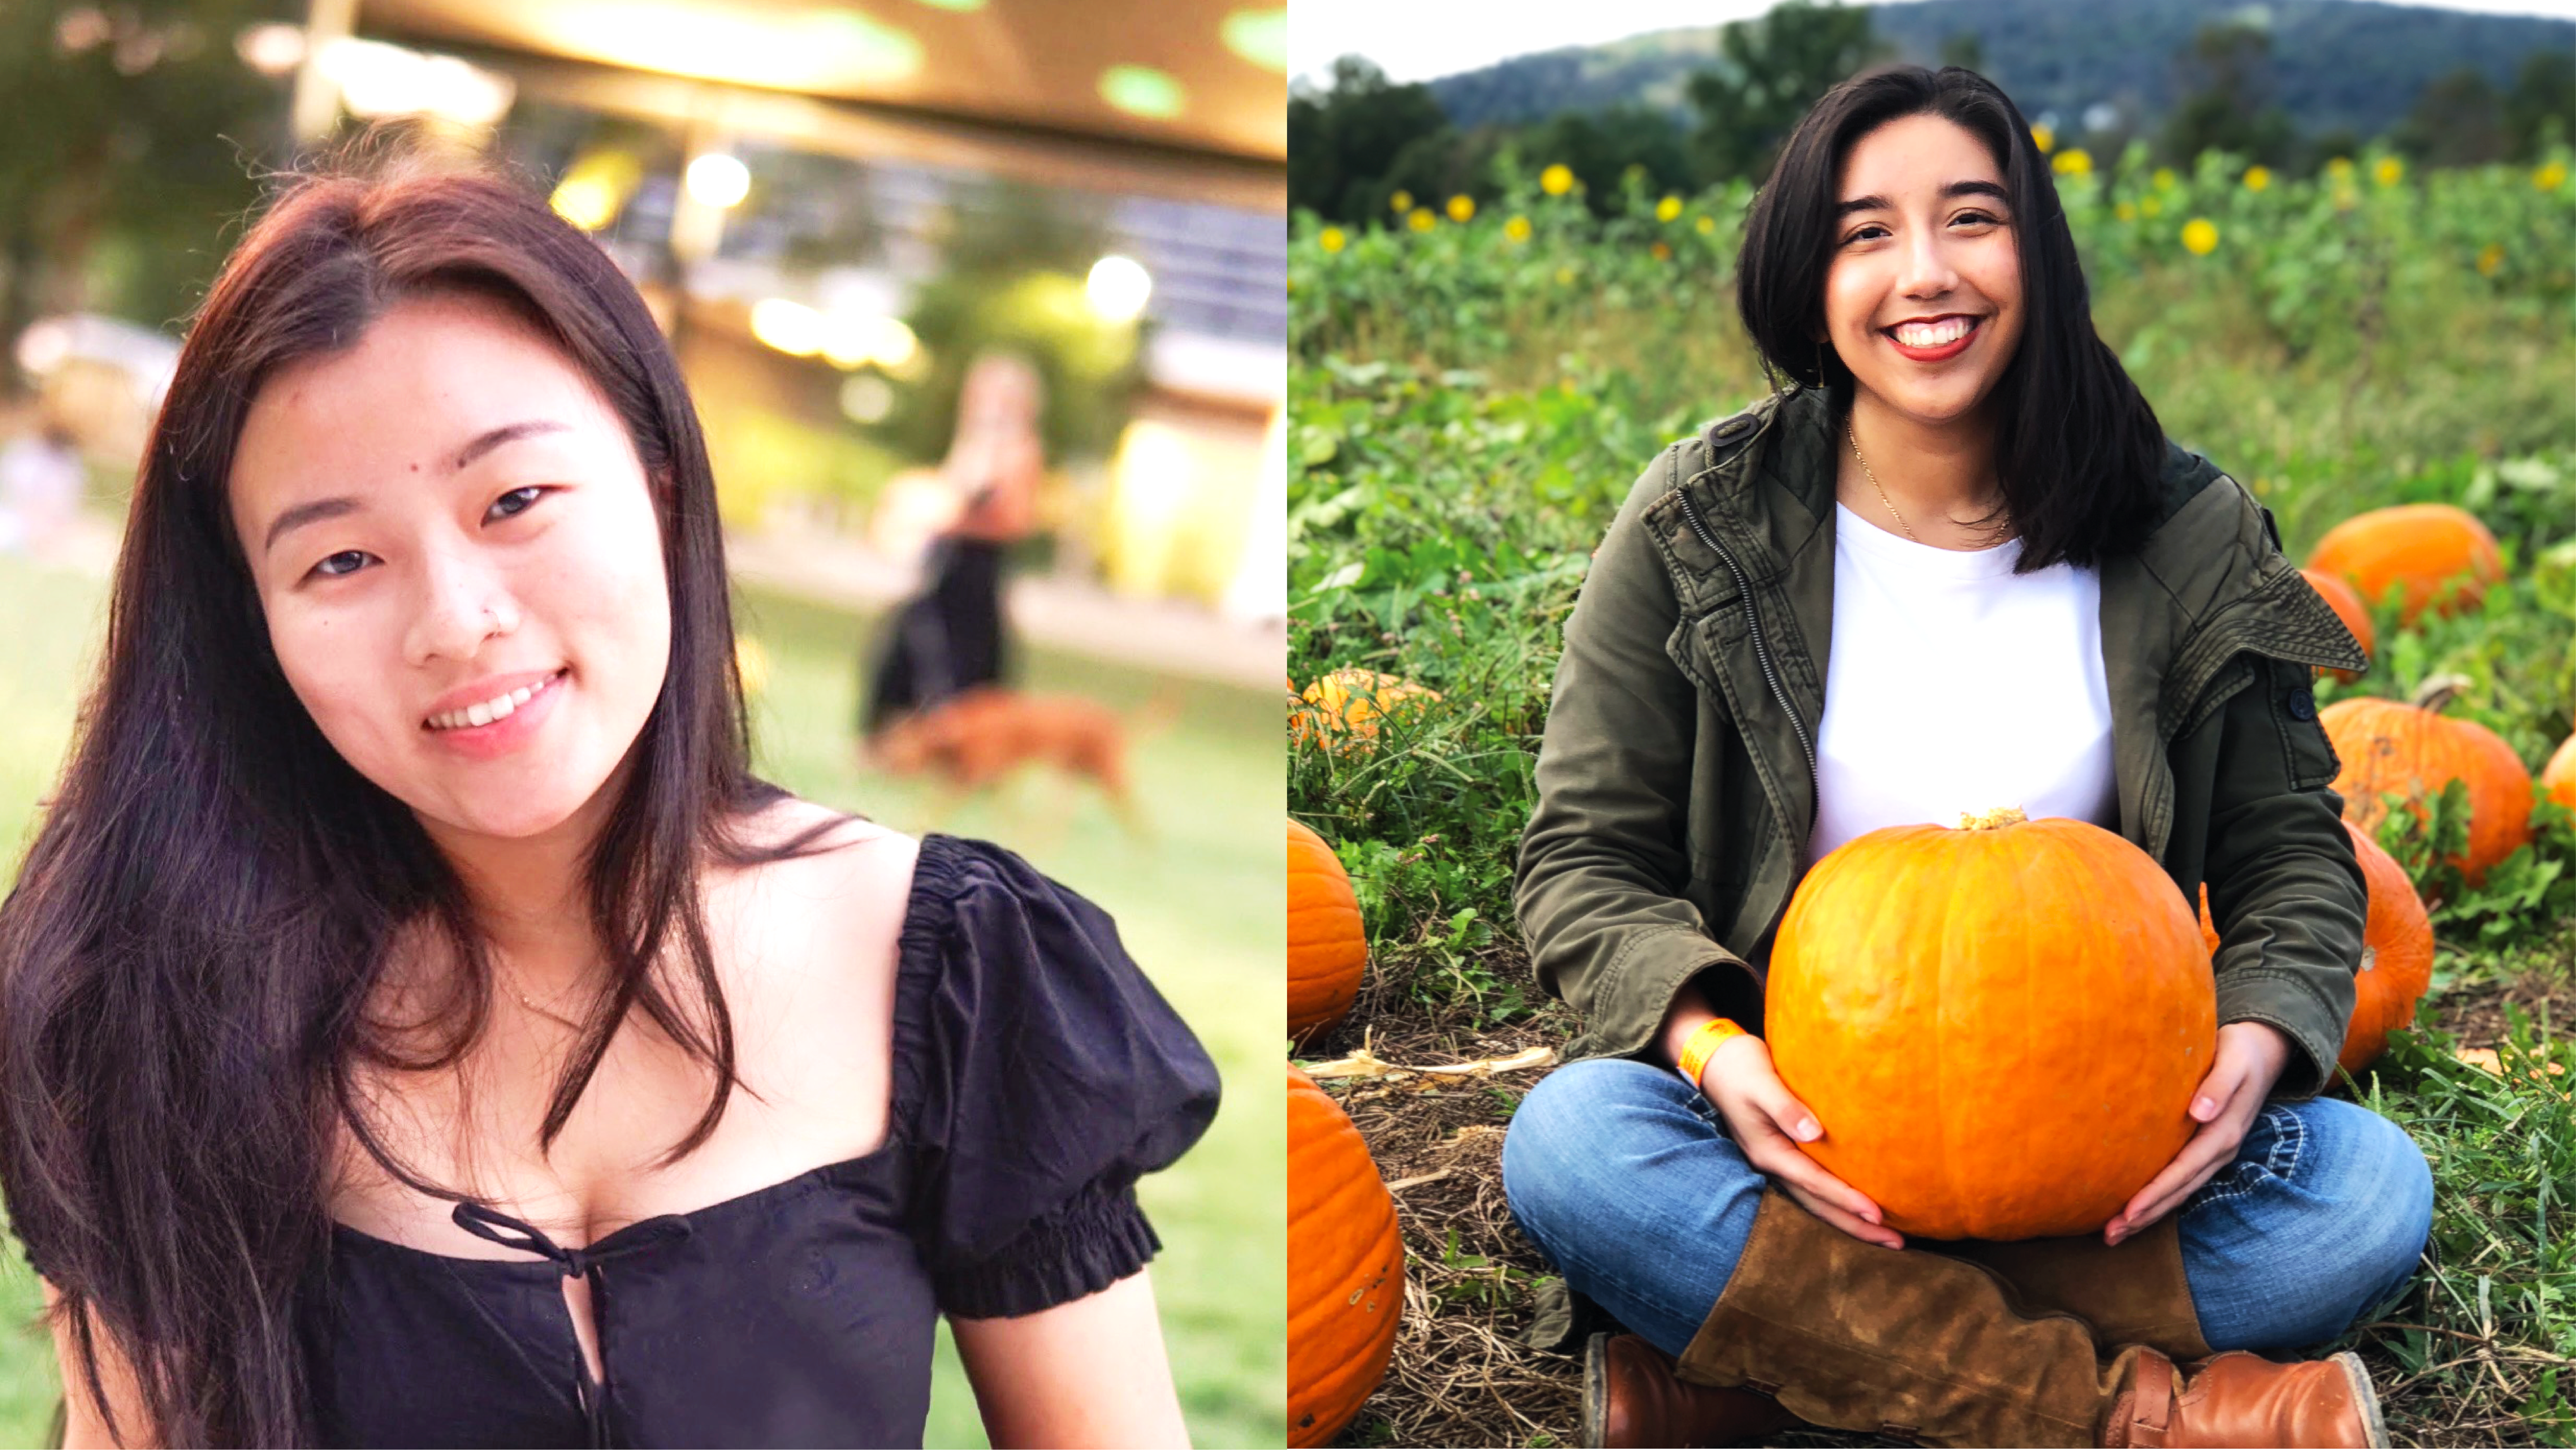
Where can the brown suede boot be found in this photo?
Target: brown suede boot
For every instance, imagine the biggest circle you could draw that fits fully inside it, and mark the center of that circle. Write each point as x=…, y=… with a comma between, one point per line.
x=2132, y=1293
x=1630, y=1397
x=1920, y=1346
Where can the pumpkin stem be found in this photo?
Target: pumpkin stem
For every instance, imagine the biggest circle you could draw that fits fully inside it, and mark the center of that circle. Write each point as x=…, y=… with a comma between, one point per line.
x=2437, y=691
x=1999, y=816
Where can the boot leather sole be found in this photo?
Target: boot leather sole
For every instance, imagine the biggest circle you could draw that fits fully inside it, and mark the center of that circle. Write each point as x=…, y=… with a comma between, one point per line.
x=2374, y=1426
x=1596, y=1392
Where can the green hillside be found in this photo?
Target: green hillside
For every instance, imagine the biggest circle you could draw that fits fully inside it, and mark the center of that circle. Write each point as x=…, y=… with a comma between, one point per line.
x=2336, y=64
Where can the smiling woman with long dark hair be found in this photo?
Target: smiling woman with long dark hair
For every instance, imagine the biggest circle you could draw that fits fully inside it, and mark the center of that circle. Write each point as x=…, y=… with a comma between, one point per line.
x=1952, y=563
x=418, y=1025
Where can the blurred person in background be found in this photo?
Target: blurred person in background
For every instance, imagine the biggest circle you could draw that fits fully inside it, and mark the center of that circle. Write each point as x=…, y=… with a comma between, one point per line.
x=949, y=637
x=41, y=478
x=418, y=1025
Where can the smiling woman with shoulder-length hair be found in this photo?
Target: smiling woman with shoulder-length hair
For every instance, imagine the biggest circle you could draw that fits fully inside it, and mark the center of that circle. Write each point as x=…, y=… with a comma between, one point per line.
x=1952, y=563
x=419, y=1026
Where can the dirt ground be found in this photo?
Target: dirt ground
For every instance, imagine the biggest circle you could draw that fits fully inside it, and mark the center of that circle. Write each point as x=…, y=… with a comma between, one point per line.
x=1461, y=1374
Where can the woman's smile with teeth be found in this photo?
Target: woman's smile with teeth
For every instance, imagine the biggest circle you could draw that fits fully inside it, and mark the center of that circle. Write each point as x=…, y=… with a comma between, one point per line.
x=484, y=712
x=1934, y=334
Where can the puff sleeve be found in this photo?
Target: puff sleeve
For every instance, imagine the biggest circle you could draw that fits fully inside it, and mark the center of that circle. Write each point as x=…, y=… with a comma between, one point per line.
x=1038, y=1074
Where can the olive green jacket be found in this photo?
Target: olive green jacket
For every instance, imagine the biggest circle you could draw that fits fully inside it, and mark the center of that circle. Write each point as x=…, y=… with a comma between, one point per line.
x=1677, y=784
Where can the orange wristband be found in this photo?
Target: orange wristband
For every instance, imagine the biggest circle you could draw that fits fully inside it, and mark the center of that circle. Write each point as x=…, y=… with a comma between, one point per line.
x=1703, y=1044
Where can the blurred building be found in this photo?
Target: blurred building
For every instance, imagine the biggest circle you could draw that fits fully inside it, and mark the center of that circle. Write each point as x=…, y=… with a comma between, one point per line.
x=827, y=204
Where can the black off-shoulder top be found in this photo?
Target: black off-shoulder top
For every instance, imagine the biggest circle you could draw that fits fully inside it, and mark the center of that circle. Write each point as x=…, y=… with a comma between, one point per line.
x=1037, y=1073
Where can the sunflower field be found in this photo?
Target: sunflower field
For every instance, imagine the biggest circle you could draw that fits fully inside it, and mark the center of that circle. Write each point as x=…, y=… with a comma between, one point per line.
x=1475, y=387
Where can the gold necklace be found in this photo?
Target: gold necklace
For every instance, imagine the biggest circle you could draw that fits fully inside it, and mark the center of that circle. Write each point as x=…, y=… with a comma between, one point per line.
x=1852, y=434
x=530, y=1003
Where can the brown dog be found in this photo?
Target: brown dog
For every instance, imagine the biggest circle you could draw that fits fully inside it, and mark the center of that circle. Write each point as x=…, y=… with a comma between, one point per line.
x=974, y=740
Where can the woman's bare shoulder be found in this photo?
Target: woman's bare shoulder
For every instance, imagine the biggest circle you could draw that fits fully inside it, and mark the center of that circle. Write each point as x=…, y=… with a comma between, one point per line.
x=864, y=843
x=852, y=879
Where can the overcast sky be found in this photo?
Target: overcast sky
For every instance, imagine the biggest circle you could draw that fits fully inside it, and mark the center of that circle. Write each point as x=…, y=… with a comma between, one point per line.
x=1419, y=40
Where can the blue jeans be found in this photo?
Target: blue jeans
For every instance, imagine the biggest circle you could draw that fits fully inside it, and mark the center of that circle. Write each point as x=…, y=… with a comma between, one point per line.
x=1627, y=1178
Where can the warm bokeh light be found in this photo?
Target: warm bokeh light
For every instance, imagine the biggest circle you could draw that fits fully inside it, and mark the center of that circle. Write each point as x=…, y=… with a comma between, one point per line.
x=272, y=49
x=791, y=327
x=718, y=179
x=378, y=80
x=854, y=340
x=1118, y=288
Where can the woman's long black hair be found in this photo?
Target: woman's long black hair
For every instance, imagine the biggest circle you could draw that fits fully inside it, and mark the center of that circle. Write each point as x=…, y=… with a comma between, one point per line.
x=187, y=960
x=2077, y=448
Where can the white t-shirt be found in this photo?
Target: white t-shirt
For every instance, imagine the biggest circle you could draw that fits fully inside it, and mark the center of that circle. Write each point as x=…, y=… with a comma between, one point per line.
x=1954, y=685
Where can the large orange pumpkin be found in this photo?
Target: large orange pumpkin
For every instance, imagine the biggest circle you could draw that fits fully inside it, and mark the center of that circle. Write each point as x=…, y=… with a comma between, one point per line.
x=1999, y=1026
x=1343, y=708
x=2345, y=601
x=2558, y=777
x=2442, y=556
x=1345, y=1267
x=1327, y=948
x=2410, y=749
x=2396, y=954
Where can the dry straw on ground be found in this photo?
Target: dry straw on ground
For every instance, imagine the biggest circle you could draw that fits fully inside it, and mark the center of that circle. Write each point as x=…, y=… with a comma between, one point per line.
x=1462, y=1376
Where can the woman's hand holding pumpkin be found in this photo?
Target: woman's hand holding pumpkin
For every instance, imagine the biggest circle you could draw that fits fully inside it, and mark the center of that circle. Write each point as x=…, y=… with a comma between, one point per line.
x=1768, y=1124
x=2248, y=1061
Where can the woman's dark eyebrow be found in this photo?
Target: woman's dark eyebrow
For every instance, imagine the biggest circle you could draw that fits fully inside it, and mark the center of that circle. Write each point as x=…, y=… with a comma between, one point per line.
x=308, y=513
x=507, y=433
x=1956, y=188
x=332, y=508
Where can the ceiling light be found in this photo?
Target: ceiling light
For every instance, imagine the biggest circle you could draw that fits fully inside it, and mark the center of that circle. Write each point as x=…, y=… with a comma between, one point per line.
x=794, y=47
x=1141, y=90
x=1259, y=36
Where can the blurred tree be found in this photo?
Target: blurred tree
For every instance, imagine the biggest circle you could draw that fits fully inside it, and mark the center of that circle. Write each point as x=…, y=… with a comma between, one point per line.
x=1014, y=259
x=128, y=134
x=1964, y=50
x=2541, y=109
x=2227, y=104
x=1769, y=71
x=1599, y=148
x=2457, y=120
x=1431, y=168
x=1344, y=139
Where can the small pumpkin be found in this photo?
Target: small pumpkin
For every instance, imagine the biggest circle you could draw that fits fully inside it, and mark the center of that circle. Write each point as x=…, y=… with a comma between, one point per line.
x=1345, y=1267
x=2411, y=749
x=2558, y=777
x=2345, y=601
x=2440, y=555
x=1343, y=708
x=1327, y=946
x=2000, y=1026
x=2396, y=954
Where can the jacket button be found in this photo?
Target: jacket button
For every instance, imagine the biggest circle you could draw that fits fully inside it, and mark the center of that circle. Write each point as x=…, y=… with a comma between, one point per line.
x=2301, y=705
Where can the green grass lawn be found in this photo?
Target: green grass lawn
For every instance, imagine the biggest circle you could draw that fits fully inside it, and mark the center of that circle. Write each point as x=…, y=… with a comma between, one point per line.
x=1198, y=903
